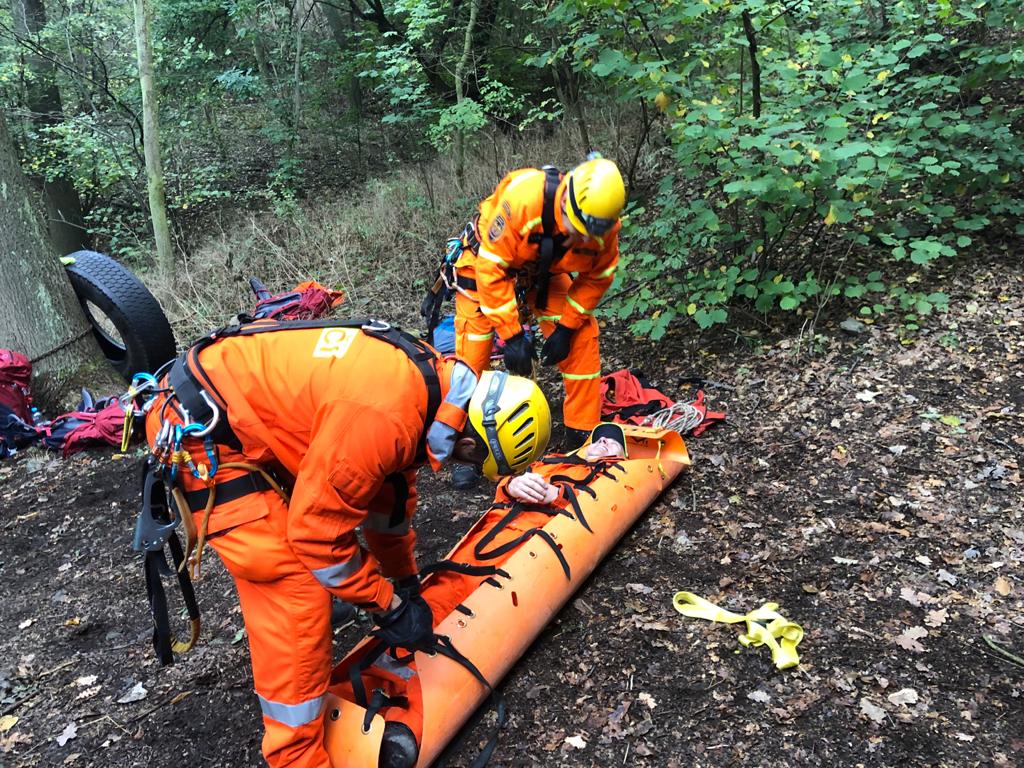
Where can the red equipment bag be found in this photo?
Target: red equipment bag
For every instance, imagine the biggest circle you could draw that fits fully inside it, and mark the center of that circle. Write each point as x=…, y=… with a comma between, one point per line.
x=15, y=376
x=627, y=397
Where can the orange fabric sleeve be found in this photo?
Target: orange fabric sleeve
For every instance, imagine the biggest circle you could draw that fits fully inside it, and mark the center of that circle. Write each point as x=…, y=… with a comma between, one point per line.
x=388, y=529
x=587, y=289
x=352, y=449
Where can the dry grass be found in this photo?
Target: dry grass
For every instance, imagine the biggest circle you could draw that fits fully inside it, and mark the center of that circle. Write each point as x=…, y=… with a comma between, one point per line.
x=378, y=243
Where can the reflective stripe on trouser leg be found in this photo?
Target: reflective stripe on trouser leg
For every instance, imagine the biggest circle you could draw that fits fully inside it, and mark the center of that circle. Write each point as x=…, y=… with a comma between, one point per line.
x=288, y=622
x=474, y=334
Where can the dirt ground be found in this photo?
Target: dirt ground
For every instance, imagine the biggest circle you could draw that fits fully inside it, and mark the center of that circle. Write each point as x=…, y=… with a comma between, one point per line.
x=872, y=489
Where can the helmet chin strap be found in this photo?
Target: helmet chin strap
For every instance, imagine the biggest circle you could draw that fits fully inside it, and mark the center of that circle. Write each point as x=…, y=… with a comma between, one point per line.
x=490, y=424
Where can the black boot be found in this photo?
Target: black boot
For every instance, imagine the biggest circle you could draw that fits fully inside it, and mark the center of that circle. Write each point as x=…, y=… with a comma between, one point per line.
x=465, y=476
x=574, y=438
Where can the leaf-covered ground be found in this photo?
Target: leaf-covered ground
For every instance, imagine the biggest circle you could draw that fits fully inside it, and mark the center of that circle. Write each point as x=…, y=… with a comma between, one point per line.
x=872, y=489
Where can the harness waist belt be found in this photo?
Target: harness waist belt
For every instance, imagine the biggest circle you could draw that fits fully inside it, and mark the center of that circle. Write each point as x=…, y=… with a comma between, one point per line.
x=229, y=490
x=468, y=283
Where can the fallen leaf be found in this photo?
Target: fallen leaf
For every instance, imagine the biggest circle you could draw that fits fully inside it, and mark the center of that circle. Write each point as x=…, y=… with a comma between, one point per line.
x=7, y=722
x=1003, y=586
x=937, y=618
x=909, y=639
x=845, y=560
x=905, y=696
x=88, y=693
x=873, y=711
x=810, y=589
x=67, y=734
x=138, y=693
x=867, y=396
x=946, y=576
x=26, y=624
x=647, y=700
x=963, y=737
x=759, y=696
x=643, y=589
x=82, y=682
x=576, y=741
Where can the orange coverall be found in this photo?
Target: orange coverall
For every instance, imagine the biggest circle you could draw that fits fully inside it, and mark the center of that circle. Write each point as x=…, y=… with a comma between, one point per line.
x=507, y=219
x=343, y=414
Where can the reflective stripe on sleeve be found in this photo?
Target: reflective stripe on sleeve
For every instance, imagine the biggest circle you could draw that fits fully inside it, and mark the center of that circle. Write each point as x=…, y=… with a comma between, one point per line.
x=292, y=715
x=530, y=225
x=479, y=336
x=549, y=318
x=581, y=376
x=608, y=272
x=380, y=522
x=577, y=306
x=491, y=256
x=334, y=575
x=508, y=306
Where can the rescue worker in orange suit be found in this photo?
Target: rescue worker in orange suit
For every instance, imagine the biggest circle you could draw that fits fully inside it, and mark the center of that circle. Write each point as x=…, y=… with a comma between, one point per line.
x=347, y=415
x=508, y=248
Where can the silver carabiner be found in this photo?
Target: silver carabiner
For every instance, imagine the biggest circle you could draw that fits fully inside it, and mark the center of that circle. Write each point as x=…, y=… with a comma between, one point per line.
x=213, y=420
x=379, y=326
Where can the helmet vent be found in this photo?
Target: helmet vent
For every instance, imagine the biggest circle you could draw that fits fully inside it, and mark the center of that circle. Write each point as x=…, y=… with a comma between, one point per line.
x=521, y=427
x=527, y=438
x=523, y=408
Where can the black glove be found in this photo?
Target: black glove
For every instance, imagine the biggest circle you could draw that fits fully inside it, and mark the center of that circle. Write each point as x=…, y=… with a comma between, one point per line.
x=519, y=355
x=410, y=625
x=556, y=348
x=407, y=587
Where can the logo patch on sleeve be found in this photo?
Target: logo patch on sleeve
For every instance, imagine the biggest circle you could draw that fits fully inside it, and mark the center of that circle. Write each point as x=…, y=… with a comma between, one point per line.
x=334, y=342
x=497, y=228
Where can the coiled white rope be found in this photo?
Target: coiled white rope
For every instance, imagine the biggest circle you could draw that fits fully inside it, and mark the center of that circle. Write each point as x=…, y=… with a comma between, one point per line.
x=679, y=417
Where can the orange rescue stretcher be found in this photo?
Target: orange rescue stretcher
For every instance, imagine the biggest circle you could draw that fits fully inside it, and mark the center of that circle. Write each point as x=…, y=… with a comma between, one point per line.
x=519, y=565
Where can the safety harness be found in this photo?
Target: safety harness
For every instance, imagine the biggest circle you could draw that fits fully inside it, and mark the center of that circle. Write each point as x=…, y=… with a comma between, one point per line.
x=552, y=246
x=203, y=411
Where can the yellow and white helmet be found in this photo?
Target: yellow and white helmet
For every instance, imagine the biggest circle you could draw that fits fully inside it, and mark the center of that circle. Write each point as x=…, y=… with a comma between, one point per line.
x=595, y=196
x=512, y=415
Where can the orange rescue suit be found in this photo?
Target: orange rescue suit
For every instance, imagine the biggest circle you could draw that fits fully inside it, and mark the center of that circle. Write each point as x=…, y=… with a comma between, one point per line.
x=487, y=302
x=344, y=415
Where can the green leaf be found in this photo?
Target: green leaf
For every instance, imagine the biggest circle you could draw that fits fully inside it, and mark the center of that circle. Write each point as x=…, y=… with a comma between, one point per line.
x=788, y=302
x=951, y=421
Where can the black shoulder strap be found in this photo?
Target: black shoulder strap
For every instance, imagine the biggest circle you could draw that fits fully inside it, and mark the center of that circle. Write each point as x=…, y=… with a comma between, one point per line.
x=187, y=373
x=550, y=251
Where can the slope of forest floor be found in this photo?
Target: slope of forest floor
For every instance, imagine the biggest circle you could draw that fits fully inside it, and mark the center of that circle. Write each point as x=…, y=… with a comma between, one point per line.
x=873, y=490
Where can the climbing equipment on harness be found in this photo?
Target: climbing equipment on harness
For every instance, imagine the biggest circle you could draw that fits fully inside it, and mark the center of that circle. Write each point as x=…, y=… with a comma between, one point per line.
x=765, y=626
x=491, y=596
x=447, y=282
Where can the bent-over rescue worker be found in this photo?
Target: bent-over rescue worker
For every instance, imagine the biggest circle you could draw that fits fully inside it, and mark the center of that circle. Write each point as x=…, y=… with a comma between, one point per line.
x=557, y=237
x=349, y=413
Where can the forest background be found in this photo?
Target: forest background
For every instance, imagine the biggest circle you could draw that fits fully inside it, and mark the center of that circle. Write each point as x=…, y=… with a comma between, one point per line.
x=779, y=155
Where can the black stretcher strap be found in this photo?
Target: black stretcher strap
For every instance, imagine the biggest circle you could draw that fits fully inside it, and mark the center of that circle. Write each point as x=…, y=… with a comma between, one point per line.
x=155, y=565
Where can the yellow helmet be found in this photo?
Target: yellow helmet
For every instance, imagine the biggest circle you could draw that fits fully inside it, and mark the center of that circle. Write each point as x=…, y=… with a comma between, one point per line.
x=511, y=414
x=595, y=196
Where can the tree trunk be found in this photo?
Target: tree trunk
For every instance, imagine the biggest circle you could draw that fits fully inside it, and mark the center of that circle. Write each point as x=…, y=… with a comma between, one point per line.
x=460, y=74
x=151, y=140
x=340, y=35
x=64, y=208
x=39, y=313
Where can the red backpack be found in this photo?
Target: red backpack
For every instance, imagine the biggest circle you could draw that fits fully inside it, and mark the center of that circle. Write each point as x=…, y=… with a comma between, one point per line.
x=15, y=376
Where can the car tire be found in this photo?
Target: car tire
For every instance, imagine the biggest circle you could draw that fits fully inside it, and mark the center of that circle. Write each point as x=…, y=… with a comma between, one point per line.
x=130, y=327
